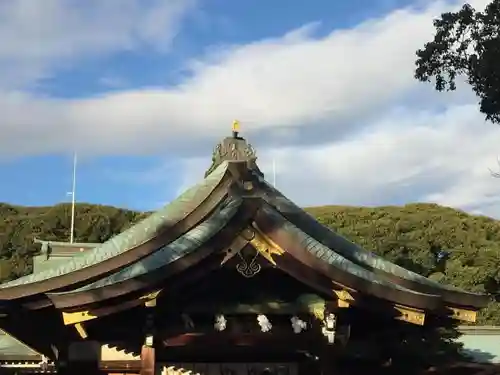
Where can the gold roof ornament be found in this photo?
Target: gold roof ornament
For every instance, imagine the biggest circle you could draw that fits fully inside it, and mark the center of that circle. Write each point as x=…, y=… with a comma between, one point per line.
x=236, y=126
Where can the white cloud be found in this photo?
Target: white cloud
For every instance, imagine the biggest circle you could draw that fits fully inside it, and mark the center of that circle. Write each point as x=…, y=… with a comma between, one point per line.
x=295, y=81
x=36, y=36
x=412, y=156
x=353, y=125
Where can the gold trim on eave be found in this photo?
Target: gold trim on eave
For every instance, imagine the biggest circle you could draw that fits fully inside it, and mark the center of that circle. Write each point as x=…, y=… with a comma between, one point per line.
x=463, y=314
x=344, y=298
x=77, y=317
x=343, y=304
x=344, y=295
x=265, y=245
x=81, y=330
x=410, y=315
x=150, y=298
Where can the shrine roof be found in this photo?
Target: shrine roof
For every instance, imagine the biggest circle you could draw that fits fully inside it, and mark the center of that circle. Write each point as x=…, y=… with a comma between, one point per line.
x=334, y=255
x=184, y=245
x=132, y=237
x=321, y=242
x=333, y=248
x=338, y=244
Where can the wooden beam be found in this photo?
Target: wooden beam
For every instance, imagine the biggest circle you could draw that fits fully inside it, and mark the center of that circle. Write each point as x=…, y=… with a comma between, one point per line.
x=291, y=340
x=265, y=307
x=81, y=330
x=148, y=362
x=235, y=354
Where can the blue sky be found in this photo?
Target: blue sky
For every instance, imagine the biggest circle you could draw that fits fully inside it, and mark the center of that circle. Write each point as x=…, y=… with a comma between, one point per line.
x=211, y=24
x=143, y=90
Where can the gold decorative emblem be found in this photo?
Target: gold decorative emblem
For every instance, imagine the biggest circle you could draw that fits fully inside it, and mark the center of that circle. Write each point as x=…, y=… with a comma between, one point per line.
x=265, y=246
x=248, y=266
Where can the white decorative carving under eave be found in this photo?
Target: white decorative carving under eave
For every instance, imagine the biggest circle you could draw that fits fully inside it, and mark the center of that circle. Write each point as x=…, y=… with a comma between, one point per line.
x=220, y=323
x=113, y=354
x=329, y=326
x=44, y=363
x=298, y=325
x=264, y=323
x=172, y=370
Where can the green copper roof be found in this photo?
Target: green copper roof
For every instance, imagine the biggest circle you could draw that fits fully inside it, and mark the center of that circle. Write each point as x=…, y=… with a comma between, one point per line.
x=41, y=263
x=134, y=236
x=331, y=257
x=184, y=245
x=11, y=347
x=343, y=246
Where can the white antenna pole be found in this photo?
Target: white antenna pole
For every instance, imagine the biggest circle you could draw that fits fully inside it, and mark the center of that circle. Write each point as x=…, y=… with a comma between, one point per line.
x=274, y=172
x=73, y=201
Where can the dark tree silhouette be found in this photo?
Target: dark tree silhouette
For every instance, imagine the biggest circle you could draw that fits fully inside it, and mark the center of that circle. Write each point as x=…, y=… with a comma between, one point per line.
x=466, y=44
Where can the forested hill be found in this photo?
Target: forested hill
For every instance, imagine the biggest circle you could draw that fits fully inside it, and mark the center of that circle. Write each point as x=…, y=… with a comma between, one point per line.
x=413, y=236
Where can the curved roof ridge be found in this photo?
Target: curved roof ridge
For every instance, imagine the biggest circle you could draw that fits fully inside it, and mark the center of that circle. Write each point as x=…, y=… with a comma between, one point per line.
x=356, y=253
x=335, y=259
x=130, y=238
x=182, y=246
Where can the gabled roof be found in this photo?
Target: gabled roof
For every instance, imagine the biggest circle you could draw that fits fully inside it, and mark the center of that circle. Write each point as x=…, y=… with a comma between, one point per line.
x=126, y=243
x=343, y=251
x=231, y=206
x=184, y=245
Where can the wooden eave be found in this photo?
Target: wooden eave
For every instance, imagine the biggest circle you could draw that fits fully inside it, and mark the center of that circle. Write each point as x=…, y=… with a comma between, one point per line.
x=273, y=228
x=294, y=259
x=192, y=217
x=454, y=298
x=138, y=298
x=223, y=239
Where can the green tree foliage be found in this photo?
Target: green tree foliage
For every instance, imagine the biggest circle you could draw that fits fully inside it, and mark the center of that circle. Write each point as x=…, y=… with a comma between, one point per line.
x=466, y=44
x=19, y=226
x=410, y=235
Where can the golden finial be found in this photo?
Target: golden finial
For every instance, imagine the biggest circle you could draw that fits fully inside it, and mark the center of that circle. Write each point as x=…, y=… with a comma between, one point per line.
x=236, y=126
